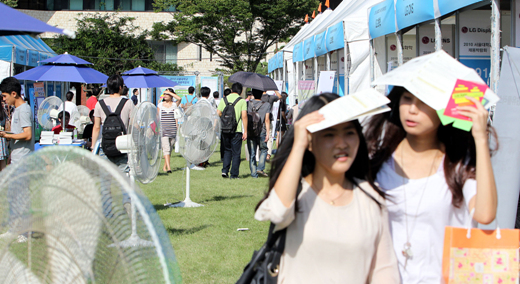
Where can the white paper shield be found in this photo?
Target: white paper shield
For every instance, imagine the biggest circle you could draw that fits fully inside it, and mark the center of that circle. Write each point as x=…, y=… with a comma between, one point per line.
x=431, y=78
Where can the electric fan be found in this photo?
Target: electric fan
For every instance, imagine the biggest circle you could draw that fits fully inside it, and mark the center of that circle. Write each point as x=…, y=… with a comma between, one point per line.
x=80, y=119
x=68, y=203
x=142, y=144
x=198, y=139
x=48, y=112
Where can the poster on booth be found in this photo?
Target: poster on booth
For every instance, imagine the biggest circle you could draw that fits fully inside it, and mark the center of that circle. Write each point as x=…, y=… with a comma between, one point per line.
x=305, y=89
x=326, y=82
x=409, y=48
x=279, y=86
x=211, y=83
x=309, y=70
x=474, y=43
x=39, y=96
x=427, y=39
x=181, y=89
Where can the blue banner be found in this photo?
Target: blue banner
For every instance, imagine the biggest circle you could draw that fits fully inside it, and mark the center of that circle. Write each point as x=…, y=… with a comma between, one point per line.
x=381, y=19
x=448, y=6
x=184, y=82
x=270, y=65
x=280, y=60
x=21, y=56
x=297, y=55
x=481, y=65
x=412, y=12
x=320, y=44
x=308, y=48
x=335, y=39
x=50, y=89
x=34, y=57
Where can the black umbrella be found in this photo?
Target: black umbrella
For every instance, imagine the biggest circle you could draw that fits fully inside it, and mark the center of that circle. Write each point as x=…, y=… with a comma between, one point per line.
x=253, y=80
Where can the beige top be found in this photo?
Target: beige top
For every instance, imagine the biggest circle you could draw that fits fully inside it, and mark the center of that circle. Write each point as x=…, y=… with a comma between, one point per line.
x=112, y=104
x=333, y=244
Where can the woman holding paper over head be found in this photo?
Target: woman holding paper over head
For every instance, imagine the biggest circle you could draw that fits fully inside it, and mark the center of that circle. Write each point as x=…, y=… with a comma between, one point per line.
x=434, y=176
x=321, y=192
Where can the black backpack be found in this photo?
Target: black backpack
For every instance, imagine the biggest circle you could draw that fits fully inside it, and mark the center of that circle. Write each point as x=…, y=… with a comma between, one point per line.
x=228, y=120
x=112, y=128
x=255, y=123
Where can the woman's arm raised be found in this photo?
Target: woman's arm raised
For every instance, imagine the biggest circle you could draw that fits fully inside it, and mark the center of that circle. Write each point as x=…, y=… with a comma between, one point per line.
x=287, y=183
x=485, y=201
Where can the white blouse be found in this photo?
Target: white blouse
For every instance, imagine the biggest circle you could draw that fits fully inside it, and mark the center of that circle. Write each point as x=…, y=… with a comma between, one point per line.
x=333, y=244
x=429, y=211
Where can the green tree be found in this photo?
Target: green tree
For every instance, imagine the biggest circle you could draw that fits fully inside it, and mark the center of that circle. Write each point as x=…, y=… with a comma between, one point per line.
x=238, y=31
x=113, y=44
x=10, y=3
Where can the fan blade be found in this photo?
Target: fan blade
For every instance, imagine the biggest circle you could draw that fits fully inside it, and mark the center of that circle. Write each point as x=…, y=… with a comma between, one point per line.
x=73, y=230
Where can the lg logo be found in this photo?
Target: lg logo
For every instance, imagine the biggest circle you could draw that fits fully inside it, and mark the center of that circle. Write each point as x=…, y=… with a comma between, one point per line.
x=425, y=40
x=392, y=47
x=464, y=30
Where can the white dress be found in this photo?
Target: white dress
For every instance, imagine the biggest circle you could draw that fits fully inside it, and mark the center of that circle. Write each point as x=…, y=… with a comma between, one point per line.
x=427, y=217
x=333, y=244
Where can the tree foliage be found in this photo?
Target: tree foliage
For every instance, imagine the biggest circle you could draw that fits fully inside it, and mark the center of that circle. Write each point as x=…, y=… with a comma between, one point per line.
x=238, y=31
x=112, y=43
x=10, y=3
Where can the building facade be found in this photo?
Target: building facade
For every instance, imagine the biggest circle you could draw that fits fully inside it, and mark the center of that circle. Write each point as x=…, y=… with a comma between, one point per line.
x=63, y=13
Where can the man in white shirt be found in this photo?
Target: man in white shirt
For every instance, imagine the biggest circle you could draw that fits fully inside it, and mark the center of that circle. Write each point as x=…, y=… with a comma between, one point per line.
x=70, y=107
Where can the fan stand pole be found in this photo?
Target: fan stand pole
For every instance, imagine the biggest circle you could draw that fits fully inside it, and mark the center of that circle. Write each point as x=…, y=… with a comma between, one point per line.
x=187, y=202
x=134, y=240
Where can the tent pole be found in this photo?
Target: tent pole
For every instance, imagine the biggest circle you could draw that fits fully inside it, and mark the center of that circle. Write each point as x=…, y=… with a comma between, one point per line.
x=315, y=67
x=438, y=35
x=346, y=86
x=297, y=78
x=372, y=58
x=284, y=74
x=399, y=38
x=328, y=61
x=495, y=45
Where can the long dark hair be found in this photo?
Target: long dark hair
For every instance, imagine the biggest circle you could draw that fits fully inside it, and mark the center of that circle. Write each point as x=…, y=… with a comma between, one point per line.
x=3, y=115
x=385, y=132
x=360, y=168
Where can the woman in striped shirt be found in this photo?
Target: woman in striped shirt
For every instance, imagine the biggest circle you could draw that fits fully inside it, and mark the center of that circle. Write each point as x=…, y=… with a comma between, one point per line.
x=168, y=125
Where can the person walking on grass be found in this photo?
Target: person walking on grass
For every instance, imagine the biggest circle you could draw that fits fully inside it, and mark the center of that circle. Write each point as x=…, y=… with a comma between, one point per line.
x=169, y=125
x=232, y=110
x=261, y=110
x=337, y=226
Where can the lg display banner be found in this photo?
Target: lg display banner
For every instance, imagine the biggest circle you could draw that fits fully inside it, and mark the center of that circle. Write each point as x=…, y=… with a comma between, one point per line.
x=409, y=46
x=427, y=39
x=309, y=70
x=475, y=41
x=326, y=82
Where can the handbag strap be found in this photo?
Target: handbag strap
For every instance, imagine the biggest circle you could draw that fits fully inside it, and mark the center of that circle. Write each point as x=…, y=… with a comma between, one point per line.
x=469, y=226
x=280, y=235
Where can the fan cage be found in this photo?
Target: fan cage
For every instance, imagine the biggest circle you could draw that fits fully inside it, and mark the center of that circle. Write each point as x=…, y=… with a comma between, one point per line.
x=68, y=203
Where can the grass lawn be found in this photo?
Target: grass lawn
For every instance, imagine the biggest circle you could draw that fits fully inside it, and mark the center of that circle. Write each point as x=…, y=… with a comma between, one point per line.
x=207, y=245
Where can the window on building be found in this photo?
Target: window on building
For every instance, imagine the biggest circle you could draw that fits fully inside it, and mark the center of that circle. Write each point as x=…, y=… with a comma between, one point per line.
x=164, y=51
x=32, y=4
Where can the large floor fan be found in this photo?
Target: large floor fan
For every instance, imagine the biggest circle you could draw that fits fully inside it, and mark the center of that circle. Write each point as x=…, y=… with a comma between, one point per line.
x=198, y=139
x=48, y=112
x=80, y=119
x=143, y=145
x=57, y=197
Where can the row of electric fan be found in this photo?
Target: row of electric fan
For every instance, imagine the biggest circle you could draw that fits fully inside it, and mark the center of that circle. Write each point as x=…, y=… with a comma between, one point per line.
x=50, y=108
x=65, y=206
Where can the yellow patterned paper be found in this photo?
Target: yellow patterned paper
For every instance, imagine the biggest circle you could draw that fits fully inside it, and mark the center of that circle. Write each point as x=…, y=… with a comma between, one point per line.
x=486, y=266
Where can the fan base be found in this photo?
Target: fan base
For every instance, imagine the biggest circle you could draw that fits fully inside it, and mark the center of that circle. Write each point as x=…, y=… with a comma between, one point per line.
x=133, y=241
x=183, y=204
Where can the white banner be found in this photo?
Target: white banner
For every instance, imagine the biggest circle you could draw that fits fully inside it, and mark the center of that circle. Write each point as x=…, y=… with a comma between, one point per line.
x=326, y=82
x=427, y=39
x=409, y=46
x=309, y=71
x=475, y=33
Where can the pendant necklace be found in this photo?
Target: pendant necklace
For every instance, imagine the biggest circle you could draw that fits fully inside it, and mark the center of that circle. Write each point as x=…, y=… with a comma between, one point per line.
x=407, y=247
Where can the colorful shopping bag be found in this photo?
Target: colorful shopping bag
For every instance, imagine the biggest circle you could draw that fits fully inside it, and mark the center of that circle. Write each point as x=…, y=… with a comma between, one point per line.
x=480, y=256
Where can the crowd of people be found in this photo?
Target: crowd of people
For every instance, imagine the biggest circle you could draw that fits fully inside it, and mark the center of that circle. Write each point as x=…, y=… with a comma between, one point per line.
x=365, y=203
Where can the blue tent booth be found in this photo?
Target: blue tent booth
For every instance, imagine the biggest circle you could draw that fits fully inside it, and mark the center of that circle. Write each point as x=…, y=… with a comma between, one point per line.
x=19, y=53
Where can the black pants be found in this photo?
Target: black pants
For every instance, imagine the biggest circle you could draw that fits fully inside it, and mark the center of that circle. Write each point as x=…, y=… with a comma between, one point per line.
x=232, y=144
